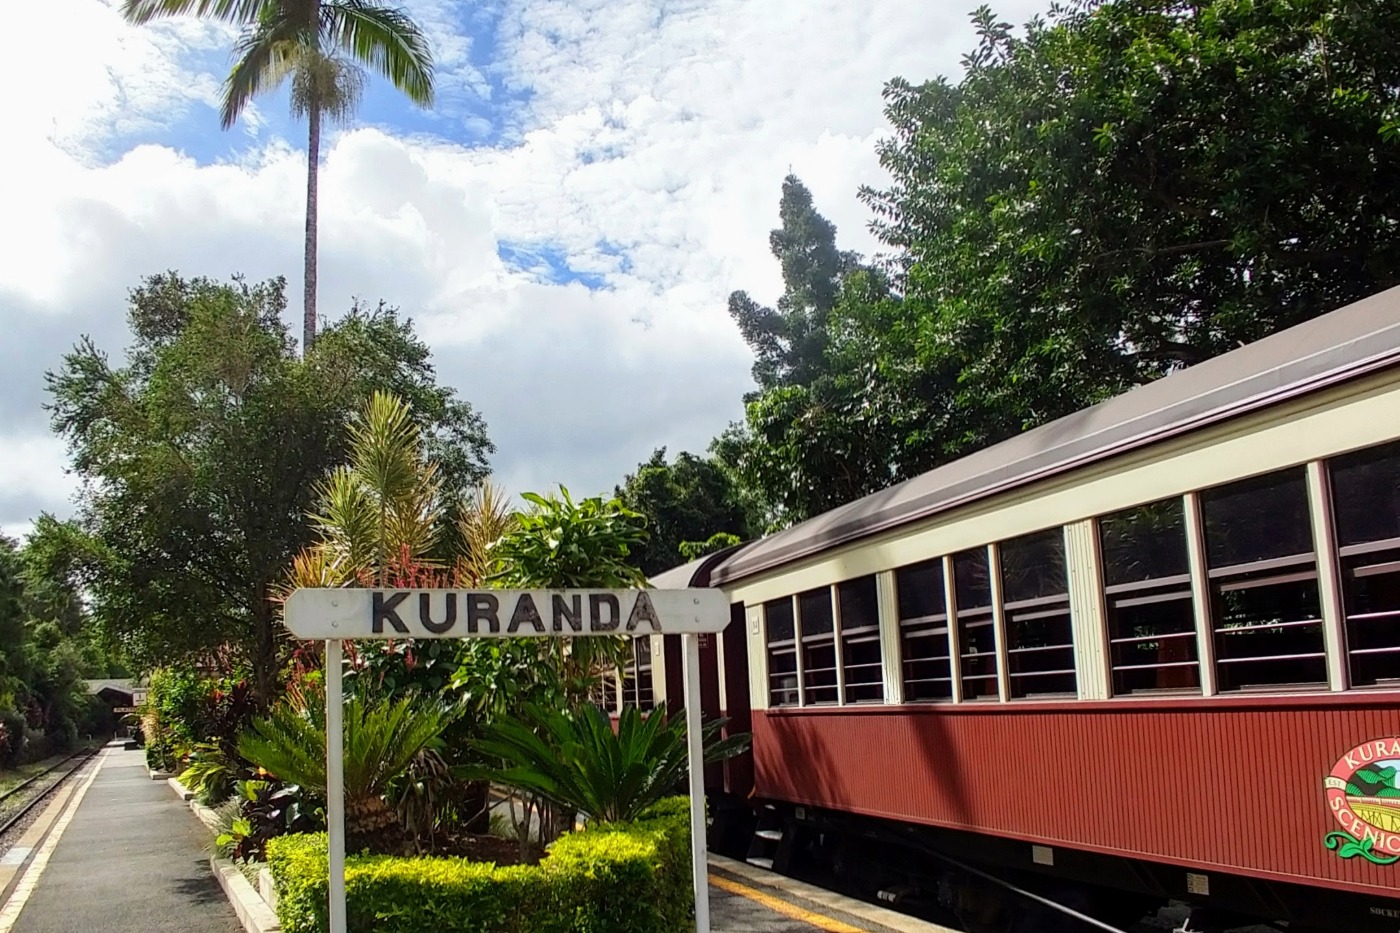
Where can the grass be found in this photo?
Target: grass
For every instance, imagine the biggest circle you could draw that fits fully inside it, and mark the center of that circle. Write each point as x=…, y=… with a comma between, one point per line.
x=14, y=777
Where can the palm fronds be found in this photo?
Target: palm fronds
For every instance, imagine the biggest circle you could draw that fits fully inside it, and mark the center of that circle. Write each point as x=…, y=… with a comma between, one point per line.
x=576, y=760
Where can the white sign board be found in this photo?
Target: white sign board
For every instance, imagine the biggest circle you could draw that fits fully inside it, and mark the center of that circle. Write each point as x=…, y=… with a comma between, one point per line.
x=336, y=614
x=390, y=613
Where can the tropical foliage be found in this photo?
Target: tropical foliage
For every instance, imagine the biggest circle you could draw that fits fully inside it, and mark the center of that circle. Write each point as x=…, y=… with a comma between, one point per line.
x=686, y=502
x=381, y=739
x=1113, y=192
x=48, y=643
x=201, y=455
x=320, y=47
x=574, y=757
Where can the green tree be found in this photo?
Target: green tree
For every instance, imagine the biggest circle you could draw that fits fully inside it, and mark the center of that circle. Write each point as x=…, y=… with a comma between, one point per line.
x=1123, y=189
x=684, y=502
x=789, y=341
x=200, y=458
x=320, y=45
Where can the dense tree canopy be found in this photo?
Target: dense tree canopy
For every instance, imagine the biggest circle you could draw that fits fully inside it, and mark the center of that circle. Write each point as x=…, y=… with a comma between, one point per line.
x=48, y=643
x=1114, y=192
x=789, y=341
x=1128, y=188
x=199, y=457
x=687, y=501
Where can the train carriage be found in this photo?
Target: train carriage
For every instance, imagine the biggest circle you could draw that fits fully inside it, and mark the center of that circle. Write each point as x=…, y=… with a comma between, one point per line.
x=1148, y=651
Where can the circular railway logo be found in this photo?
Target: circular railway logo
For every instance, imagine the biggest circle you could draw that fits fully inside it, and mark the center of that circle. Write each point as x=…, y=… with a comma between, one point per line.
x=1363, y=792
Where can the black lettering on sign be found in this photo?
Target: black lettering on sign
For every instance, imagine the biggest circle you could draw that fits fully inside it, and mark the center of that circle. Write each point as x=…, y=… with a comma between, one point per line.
x=387, y=611
x=643, y=611
x=596, y=602
x=483, y=607
x=425, y=613
x=563, y=613
x=525, y=613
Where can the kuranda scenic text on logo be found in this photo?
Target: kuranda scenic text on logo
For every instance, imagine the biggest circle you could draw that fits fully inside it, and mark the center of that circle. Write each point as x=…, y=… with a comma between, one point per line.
x=1363, y=793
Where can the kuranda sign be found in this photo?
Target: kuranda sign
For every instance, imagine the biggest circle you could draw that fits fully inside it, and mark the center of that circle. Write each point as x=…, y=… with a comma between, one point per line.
x=391, y=613
x=1363, y=793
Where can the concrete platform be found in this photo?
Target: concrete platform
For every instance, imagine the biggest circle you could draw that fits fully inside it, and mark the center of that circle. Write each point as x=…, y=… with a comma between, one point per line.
x=130, y=859
x=745, y=899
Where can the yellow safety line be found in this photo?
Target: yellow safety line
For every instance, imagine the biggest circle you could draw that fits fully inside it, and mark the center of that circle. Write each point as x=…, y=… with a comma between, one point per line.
x=783, y=907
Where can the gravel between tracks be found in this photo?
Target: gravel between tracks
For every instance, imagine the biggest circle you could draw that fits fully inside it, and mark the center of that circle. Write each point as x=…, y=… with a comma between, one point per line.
x=11, y=806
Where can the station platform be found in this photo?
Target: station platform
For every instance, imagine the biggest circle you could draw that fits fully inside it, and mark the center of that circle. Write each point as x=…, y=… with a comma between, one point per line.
x=116, y=852
x=130, y=857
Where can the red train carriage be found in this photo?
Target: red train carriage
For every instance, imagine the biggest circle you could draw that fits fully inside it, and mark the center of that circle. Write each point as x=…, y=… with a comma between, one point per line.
x=1147, y=652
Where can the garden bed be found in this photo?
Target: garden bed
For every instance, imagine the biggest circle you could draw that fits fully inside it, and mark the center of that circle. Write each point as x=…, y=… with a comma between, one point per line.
x=622, y=878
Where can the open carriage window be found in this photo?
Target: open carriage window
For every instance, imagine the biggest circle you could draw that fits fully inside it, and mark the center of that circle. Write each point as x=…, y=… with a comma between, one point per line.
x=1366, y=511
x=923, y=631
x=1035, y=601
x=977, y=652
x=782, y=652
x=636, y=676
x=818, y=644
x=1147, y=594
x=1265, y=607
x=861, y=660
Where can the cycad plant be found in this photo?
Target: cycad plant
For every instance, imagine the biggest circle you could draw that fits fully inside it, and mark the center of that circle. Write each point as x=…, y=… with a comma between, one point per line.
x=319, y=45
x=381, y=739
x=576, y=760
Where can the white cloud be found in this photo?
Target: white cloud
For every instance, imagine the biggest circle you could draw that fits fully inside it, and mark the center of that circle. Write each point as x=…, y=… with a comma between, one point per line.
x=33, y=472
x=650, y=155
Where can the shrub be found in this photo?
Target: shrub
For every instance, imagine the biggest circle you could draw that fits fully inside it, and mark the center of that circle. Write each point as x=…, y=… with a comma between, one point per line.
x=620, y=878
x=575, y=758
x=11, y=738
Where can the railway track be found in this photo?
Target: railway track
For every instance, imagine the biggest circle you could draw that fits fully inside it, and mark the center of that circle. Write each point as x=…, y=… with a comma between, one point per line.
x=20, y=801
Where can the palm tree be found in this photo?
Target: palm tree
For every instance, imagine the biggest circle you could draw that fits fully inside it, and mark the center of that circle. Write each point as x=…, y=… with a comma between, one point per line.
x=319, y=45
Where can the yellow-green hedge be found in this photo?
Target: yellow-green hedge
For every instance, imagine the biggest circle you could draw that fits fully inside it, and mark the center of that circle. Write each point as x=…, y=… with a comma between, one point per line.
x=623, y=878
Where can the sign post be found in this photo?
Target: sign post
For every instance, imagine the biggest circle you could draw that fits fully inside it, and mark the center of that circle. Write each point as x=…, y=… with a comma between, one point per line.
x=335, y=614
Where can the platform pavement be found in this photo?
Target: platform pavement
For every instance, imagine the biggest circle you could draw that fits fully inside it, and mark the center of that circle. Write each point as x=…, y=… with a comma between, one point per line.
x=131, y=858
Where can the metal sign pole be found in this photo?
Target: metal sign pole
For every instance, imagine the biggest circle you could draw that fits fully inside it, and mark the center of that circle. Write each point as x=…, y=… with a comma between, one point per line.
x=335, y=785
x=332, y=614
x=698, y=846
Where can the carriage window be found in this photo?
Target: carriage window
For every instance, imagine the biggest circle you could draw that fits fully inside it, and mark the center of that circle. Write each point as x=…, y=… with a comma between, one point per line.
x=1366, y=509
x=860, y=641
x=1147, y=590
x=782, y=653
x=818, y=639
x=923, y=631
x=605, y=693
x=1265, y=610
x=636, y=676
x=977, y=652
x=1039, y=639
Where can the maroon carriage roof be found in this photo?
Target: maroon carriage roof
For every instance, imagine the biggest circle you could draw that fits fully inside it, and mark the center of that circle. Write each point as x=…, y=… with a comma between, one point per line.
x=1360, y=338
x=695, y=573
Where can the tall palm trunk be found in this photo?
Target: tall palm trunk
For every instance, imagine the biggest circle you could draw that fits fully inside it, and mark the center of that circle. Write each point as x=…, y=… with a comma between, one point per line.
x=313, y=161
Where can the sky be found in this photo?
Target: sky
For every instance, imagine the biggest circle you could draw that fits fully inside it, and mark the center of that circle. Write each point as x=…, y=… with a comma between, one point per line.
x=593, y=180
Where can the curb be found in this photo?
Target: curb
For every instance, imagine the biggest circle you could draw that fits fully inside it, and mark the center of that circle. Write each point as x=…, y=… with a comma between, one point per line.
x=252, y=910
x=184, y=792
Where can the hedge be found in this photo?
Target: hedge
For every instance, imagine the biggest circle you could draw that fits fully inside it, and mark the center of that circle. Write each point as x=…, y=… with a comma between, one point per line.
x=621, y=878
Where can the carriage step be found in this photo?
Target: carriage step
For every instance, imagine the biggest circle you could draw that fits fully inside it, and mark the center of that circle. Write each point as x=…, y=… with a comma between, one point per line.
x=774, y=834
x=761, y=862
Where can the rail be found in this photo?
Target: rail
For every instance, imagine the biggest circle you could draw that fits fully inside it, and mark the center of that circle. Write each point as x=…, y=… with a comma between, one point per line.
x=13, y=819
